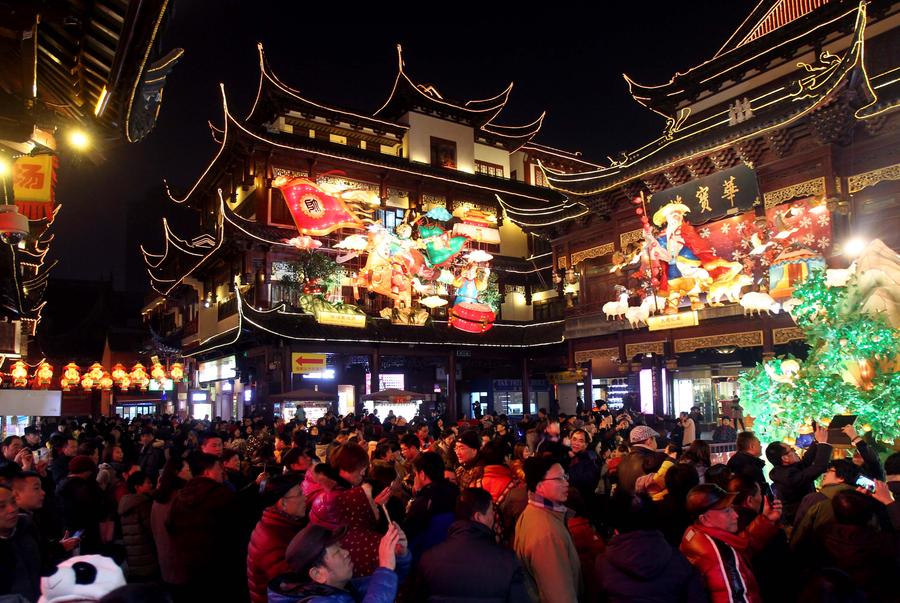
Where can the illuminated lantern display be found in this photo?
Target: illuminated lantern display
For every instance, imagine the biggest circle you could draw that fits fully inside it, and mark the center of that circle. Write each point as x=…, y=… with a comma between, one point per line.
x=316, y=212
x=19, y=373
x=119, y=373
x=87, y=382
x=139, y=376
x=106, y=382
x=71, y=377
x=158, y=372
x=43, y=375
x=96, y=372
x=176, y=371
x=124, y=383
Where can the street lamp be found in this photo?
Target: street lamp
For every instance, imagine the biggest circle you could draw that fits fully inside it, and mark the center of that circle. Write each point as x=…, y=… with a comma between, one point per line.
x=79, y=140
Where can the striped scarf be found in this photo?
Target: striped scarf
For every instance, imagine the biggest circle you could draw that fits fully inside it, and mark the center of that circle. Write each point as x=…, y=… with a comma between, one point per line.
x=539, y=501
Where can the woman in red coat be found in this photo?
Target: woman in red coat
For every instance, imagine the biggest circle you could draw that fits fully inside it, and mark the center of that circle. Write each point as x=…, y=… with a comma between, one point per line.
x=350, y=503
x=270, y=539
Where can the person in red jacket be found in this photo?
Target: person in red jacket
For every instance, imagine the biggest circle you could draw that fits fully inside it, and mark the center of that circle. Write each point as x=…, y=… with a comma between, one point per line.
x=716, y=548
x=280, y=522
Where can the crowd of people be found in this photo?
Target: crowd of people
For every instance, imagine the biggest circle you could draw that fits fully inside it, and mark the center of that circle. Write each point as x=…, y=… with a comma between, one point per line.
x=602, y=505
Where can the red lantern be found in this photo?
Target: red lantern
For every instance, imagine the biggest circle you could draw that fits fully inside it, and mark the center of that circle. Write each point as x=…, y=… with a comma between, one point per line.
x=106, y=382
x=118, y=373
x=19, y=373
x=158, y=372
x=43, y=376
x=96, y=372
x=176, y=371
x=71, y=376
x=139, y=376
x=87, y=382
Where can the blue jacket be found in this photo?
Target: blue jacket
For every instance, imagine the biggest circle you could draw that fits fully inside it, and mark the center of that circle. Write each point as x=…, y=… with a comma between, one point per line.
x=380, y=587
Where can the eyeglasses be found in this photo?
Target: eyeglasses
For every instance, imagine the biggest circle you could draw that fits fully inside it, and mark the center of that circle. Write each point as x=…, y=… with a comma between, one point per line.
x=564, y=478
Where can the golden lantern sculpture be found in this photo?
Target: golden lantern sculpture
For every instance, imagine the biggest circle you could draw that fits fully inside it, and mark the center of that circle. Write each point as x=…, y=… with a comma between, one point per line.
x=71, y=377
x=19, y=373
x=176, y=372
x=96, y=372
x=118, y=373
x=43, y=376
x=158, y=372
x=87, y=382
x=139, y=376
x=106, y=382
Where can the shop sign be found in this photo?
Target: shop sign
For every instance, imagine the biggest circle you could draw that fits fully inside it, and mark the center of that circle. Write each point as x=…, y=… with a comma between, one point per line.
x=563, y=377
x=722, y=194
x=507, y=385
x=340, y=319
x=673, y=321
x=215, y=370
x=34, y=183
x=302, y=363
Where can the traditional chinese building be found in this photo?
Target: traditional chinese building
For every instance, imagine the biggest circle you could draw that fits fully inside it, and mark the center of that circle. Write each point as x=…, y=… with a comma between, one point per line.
x=346, y=252
x=98, y=67
x=777, y=151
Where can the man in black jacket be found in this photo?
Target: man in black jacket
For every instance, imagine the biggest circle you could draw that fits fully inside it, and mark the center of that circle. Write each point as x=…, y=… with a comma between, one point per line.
x=746, y=460
x=470, y=565
x=20, y=558
x=430, y=512
x=82, y=504
x=643, y=459
x=793, y=477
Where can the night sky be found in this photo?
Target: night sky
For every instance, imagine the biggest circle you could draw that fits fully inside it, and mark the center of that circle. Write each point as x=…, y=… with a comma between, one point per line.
x=565, y=59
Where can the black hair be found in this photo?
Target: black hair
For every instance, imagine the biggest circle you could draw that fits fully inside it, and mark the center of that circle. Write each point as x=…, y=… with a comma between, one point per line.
x=536, y=469
x=774, y=452
x=169, y=481
x=431, y=464
x=745, y=487
x=845, y=469
x=201, y=462
x=8, y=440
x=852, y=508
x=411, y=440
x=680, y=478
x=631, y=513
x=892, y=464
x=719, y=475
x=697, y=452
x=136, y=480
x=471, y=501
x=493, y=453
x=137, y=593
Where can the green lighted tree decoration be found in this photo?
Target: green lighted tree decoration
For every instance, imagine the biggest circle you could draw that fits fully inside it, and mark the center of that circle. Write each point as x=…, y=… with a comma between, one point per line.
x=852, y=367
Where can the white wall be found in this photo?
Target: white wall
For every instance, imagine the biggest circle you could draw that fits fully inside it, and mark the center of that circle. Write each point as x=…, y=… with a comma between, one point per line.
x=515, y=308
x=493, y=155
x=423, y=127
x=517, y=165
x=513, y=240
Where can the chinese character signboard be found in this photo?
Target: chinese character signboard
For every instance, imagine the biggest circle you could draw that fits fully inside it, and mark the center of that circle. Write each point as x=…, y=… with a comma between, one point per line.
x=34, y=185
x=302, y=364
x=726, y=193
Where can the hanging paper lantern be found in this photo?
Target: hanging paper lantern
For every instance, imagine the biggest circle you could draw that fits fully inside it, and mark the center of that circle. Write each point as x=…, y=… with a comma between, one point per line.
x=124, y=383
x=96, y=372
x=158, y=372
x=87, y=382
x=176, y=371
x=139, y=376
x=43, y=375
x=71, y=376
x=118, y=373
x=19, y=373
x=106, y=382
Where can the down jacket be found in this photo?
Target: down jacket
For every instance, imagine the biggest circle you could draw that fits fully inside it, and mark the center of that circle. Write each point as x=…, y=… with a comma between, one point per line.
x=137, y=533
x=265, y=555
x=724, y=558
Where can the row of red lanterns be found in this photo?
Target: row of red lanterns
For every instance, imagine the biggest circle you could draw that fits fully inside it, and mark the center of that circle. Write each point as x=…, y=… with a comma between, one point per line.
x=95, y=377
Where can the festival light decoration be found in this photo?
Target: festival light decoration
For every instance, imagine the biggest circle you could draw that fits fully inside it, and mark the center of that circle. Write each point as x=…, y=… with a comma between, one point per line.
x=106, y=382
x=854, y=362
x=119, y=373
x=19, y=373
x=139, y=376
x=87, y=382
x=71, y=377
x=176, y=371
x=95, y=371
x=158, y=372
x=43, y=375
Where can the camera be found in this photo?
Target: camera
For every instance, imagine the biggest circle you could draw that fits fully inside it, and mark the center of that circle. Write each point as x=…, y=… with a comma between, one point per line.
x=13, y=225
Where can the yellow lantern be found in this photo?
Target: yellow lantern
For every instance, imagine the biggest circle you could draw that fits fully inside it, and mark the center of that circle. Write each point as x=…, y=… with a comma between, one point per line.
x=19, y=373
x=71, y=376
x=158, y=372
x=125, y=382
x=106, y=382
x=87, y=382
x=118, y=373
x=96, y=373
x=139, y=376
x=43, y=375
x=176, y=372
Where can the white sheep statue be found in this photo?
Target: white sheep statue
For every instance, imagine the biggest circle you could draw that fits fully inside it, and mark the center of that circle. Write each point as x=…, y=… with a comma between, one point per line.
x=760, y=302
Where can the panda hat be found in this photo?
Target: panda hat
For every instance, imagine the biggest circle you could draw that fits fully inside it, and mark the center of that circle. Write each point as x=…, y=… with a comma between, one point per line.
x=83, y=578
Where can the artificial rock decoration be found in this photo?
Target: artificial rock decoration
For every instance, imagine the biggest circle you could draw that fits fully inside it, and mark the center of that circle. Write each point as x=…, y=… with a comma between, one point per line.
x=853, y=367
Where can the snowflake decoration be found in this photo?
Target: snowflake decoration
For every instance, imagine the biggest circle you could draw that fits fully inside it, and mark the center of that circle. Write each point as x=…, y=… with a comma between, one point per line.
x=805, y=222
x=808, y=239
x=704, y=233
x=713, y=250
x=764, y=261
x=823, y=220
x=740, y=226
x=736, y=255
x=745, y=243
x=726, y=227
x=823, y=242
